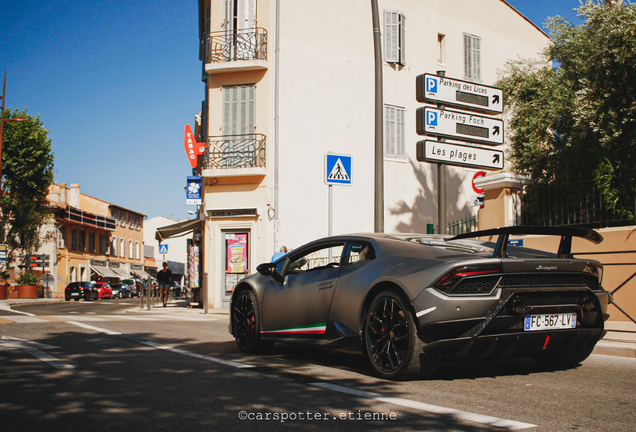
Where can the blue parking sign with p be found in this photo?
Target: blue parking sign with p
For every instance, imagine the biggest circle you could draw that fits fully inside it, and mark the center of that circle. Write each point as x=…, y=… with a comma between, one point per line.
x=431, y=85
x=431, y=118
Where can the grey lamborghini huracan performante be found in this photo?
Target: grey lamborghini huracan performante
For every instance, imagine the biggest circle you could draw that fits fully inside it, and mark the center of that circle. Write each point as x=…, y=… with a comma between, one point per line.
x=412, y=300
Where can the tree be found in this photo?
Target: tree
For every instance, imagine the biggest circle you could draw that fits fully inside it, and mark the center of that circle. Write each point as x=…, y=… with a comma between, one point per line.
x=573, y=113
x=27, y=173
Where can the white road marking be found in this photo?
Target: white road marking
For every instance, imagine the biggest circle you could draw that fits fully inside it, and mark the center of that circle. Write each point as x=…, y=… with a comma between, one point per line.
x=22, y=319
x=163, y=347
x=463, y=415
x=33, y=348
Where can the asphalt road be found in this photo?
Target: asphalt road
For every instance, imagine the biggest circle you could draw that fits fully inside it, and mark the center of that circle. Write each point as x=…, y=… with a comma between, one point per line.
x=92, y=366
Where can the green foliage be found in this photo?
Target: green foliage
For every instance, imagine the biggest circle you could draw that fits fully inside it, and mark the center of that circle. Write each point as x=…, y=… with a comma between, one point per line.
x=573, y=113
x=27, y=173
x=28, y=278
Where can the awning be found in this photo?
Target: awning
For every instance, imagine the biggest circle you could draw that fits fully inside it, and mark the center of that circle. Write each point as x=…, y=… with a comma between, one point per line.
x=104, y=271
x=178, y=229
x=140, y=273
x=122, y=274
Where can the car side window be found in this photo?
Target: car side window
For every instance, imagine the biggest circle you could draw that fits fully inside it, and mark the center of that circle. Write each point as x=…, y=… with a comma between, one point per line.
x=356, y=252
x=317, y=259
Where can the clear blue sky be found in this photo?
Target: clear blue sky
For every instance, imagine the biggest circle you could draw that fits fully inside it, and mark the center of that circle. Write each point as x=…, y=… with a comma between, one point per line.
x=115, y=82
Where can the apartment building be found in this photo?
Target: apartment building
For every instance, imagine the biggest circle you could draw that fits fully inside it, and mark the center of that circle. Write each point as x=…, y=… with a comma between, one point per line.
x=94, y=240
x=288, y=82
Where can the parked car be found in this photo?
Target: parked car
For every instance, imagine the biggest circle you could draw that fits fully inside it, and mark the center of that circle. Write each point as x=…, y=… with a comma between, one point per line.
x=413, y=300
x=116, y=290
x=121, y=290
x=104, y=290
x=136, y=286
x=80, y=290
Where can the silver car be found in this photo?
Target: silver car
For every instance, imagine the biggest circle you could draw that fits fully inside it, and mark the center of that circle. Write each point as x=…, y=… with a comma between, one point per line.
x=412, y=300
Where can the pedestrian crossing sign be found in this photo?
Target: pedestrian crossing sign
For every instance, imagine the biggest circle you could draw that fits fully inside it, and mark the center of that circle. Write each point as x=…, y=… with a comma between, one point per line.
x=163, y=248
x=337, y=169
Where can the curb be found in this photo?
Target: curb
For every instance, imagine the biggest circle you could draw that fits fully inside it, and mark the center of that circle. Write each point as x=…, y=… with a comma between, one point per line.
x=616, y=349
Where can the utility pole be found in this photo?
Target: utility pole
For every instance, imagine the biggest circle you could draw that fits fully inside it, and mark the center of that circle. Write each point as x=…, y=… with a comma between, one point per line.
x=379, y=124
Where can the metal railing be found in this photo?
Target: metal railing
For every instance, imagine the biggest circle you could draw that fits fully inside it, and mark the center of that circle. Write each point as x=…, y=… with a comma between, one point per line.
x=237, y=45
x=580, y=203
x=461, y=226
x=235, y=151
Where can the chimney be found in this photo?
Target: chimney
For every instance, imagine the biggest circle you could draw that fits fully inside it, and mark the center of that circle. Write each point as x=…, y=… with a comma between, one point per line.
x=75, y=196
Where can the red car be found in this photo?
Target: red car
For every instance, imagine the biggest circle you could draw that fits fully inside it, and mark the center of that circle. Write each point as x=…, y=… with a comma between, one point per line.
x=103, y=290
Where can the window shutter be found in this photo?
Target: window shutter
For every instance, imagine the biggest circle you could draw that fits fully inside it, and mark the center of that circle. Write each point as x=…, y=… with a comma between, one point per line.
x=472, y=57
x=402, y=44
x=389, y=132
x=391, y=36
x=238, y=110
x=394, y=133
x=246, y=14
x=400, y=150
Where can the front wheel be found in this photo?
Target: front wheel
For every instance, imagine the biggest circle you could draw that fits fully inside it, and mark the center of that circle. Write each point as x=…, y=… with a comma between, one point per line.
x=246, y=324
x=390, y=340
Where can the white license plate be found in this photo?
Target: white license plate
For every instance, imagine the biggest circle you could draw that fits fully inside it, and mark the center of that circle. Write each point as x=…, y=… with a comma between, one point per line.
x=549, y=321
x=74, y=294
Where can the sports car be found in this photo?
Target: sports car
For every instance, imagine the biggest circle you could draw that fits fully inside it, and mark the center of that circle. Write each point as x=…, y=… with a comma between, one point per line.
x=410, y=301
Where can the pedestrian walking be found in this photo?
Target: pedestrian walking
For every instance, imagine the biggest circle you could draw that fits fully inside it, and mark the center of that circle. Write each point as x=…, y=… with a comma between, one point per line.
x=164, y=278
x=283, y=251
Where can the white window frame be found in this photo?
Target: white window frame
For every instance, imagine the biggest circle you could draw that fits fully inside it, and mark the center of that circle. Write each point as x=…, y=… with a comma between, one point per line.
x=472, y=57
x=394, y=132
x=441, y=48
x=115, y=246
x=122, y=247
x=394, y=37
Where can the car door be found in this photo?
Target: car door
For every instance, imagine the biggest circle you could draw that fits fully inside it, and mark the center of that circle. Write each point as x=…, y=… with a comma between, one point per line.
x=300, y=306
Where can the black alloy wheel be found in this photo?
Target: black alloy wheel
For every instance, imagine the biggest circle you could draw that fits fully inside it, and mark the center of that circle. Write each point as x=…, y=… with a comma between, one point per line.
x=390, y=340
x=246, y=323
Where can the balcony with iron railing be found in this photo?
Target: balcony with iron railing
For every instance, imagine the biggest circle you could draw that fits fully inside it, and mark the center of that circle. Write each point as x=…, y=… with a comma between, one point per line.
x=233, y=51
x=235, y=156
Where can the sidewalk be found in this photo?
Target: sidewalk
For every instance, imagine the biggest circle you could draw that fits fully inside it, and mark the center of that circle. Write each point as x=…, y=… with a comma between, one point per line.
x=620, y=339
x=175, y=306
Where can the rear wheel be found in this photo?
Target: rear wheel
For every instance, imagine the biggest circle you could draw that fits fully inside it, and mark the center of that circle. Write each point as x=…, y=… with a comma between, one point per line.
x=246, y=325
x=390, y=340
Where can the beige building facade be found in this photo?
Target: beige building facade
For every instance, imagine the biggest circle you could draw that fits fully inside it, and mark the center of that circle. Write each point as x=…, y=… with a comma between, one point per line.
x=93, y=240
x=289, y=81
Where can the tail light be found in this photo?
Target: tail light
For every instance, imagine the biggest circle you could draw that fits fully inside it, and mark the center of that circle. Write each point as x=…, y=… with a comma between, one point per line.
x=596, y=270
x=449, y=282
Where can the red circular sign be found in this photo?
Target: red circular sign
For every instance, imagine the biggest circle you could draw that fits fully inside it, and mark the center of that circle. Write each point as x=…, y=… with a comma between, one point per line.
x=475, y=188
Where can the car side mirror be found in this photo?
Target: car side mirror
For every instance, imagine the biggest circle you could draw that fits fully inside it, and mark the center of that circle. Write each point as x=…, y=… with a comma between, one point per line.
x=269, y=269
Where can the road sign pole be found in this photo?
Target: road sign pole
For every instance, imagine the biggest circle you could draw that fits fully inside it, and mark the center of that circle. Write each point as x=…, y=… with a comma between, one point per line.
x=441, y=198
x=330, y=227
x=441, y=184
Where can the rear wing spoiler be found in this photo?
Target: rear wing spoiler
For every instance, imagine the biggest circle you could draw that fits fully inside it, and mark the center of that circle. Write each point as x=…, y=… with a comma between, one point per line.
x=566, y=234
